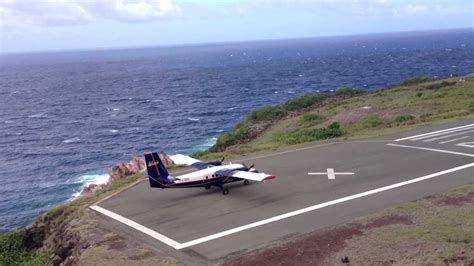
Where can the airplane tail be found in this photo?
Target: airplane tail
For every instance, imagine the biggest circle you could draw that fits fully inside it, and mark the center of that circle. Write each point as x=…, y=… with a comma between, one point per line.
x=157, y=173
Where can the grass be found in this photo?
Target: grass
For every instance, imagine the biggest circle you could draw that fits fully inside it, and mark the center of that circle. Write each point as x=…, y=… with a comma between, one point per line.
x=439, y=234
x=309, y=134
x=419, y=101
x=417, y=80
x=14, y=250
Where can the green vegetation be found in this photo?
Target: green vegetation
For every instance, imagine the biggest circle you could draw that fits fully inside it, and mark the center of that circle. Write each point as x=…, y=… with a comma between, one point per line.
x=309, y=134
x=14, y=250
x=424, y=100
x=304, y=101
x=344, y=90
x=441, y=231
x=417, y=80
x=268, y=113
x=311, y=117
x=404, y=118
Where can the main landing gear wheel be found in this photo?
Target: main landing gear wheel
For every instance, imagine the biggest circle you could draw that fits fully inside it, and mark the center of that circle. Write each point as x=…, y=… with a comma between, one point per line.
x=207, y=187
x=246, y=182
x=225, y=191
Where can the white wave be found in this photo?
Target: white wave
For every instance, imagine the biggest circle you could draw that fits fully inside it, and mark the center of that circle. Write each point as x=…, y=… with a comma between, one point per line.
x=231, y=108
x=76, y=139
x=193, y=119
x=206, y=145
x=87, y=180
x=39, y=115
x=113, y=130
x=219, y=130
x=116, y=109
x=8, y=121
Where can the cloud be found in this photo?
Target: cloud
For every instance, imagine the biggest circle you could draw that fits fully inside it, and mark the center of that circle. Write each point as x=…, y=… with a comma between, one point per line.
x=21, y=13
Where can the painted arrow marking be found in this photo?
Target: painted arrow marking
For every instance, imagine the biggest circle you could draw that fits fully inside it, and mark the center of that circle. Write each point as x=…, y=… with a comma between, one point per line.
x=331, y=174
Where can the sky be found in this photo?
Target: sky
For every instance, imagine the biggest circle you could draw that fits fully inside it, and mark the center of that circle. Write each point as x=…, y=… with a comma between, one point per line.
x=44, y=25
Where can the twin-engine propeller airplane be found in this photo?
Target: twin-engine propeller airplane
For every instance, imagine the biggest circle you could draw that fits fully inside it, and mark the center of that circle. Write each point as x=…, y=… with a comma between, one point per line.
x=209, y=174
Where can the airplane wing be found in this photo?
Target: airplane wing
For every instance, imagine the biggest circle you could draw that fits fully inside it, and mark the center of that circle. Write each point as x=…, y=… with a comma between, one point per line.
x=245, y=175
x=186, y=160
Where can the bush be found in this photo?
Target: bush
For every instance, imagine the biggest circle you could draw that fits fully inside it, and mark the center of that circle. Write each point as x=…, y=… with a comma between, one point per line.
x=344, y=90
x=311, y=117
x=268, y=113
x=419, y=94
x=442, y=84
x=308, y=134
x=304, y=101
x=334, y=125
x=417, y=80
x=404, y=118
x=239, y=133
x=13, y=251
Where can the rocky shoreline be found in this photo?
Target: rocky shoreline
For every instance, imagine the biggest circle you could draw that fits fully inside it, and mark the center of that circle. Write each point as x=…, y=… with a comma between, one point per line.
x=117, y=171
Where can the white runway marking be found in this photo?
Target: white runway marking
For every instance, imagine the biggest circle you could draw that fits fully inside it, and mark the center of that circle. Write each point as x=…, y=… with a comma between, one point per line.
x=466, y=144
x=448, y=136
x=331, y=174
x=453, y=140
x=454, y=129
x=168, y=241
x=177, y=245
x=430, y=149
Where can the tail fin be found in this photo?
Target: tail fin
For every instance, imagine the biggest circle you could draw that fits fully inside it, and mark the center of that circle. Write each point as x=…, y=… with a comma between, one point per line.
x=157, y=173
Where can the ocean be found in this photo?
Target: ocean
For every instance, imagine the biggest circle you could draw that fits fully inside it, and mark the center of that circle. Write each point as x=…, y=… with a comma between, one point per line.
x=65, y=117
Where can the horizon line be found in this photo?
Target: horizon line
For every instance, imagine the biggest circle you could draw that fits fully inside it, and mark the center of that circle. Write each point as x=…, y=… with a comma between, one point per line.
x=217, y=43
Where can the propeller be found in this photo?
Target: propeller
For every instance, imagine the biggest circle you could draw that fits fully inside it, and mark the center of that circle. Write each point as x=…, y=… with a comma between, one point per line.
x=223, y=158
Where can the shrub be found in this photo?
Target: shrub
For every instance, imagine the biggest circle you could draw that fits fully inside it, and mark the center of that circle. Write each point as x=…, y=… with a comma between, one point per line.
x=239, y=133
x=419, y=94
x=268, y=113
x=417, y=80
x=404, y=118
x=344, y=90
x=442, y=84
x=304, y=101
x=334, y=125
x=311, y=117
x=13, y=251
x=309, y=134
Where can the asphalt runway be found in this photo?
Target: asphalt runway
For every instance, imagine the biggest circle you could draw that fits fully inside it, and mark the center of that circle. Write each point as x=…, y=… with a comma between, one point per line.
x=317, y=185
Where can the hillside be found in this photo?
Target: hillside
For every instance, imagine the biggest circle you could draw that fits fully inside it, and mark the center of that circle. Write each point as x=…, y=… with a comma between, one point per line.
x=349, y=113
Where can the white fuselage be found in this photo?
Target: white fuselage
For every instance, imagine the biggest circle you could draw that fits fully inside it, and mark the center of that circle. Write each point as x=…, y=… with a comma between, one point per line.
x=205, y=174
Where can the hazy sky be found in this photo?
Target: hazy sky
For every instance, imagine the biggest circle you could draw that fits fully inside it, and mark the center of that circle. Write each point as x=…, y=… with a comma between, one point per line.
x=29, y=25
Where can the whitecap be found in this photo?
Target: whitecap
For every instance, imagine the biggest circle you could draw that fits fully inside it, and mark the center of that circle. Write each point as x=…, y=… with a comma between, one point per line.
x=219, y=130
x=275, y=92
x=76, y=139
x=39, y=115
x=300, y=75
x=86, y=180
x=113, y=130
x=231, y=108
x=116, y=109
x=8, y=121
x=193, y=119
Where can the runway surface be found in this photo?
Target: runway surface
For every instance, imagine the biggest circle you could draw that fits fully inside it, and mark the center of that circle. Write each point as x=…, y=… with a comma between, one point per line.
x=317, y=185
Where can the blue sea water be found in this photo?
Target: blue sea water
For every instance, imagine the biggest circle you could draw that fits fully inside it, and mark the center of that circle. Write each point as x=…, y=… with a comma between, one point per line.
x=65, y=117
